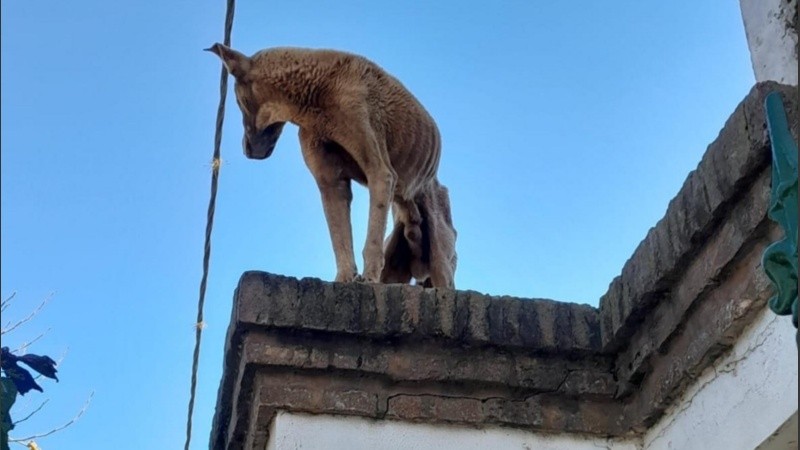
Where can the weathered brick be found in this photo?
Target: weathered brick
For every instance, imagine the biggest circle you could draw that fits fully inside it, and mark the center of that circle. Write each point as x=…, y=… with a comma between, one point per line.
x=541, y=375
x=478, y=321
x=345, y=311
x=381, y=309
x=314, y=312
x=411, y=308
x=393, y=321
x=546, y=312
x=267, y=300
x=526, y=412
x=555, y=411
x=303, y=398
x=562, y=327
x=346, y=357
x=502, y=316
x=586, y=328
x=603, y=416
x=438, y=408
x=279, y=355
x=485, y=367
x=317, y=359
x=456, y=409
x=374, y=359
x=496, y=322
x=461, y=316
x=529, y=324
x=430, y=323
x=589, y=382
x=350, y=401
x=445, y=304
x=368, y=309
x=405, y=407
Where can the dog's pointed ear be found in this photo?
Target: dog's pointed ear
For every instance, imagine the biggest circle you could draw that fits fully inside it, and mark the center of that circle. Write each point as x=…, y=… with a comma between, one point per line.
x=237, y=64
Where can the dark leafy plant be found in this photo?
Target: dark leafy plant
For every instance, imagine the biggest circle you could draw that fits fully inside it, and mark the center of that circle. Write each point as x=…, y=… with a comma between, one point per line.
x=18, y=380
x=22, y=379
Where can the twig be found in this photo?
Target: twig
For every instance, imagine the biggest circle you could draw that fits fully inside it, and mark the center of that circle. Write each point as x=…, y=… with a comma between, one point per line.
x=32, y=412
x=10, y=327
x=73, y=420
x=25, y=345
x=7, y=301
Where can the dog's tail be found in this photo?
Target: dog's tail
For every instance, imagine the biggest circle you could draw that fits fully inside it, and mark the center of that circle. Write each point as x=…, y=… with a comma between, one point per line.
x=422, y=243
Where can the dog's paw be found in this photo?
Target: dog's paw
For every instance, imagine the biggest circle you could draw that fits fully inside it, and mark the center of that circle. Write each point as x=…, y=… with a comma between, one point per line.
x=347, y=277
x=364, y=279
x=372, y=274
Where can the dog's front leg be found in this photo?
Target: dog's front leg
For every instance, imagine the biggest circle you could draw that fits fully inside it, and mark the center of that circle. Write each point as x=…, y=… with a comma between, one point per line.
x=336, y=196
x=336, y=199
x=370, y=154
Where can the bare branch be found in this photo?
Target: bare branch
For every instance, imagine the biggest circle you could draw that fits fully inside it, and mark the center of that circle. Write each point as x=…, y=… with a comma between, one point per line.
x=54, y=430
x=25, y=345
x=7, y=301
x=10, y=327
x=32, y=412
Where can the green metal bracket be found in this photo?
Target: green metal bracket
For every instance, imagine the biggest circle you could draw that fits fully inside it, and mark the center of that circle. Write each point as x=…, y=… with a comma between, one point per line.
x=780, y=258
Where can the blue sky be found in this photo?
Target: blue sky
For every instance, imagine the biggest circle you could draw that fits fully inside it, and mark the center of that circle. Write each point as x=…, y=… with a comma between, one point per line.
x=567, y=127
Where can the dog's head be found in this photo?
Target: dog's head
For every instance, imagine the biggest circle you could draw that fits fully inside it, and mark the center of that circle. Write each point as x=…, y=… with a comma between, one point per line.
x=262, y=124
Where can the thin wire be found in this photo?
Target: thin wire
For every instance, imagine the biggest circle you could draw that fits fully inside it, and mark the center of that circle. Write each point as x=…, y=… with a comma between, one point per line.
x=223, y=89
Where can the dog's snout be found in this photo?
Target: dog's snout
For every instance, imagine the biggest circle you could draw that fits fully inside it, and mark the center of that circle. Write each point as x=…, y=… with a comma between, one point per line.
x=260, y=145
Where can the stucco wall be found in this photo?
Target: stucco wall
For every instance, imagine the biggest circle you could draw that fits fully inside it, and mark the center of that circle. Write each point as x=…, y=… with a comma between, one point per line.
x=291, y=431
x=772, y=38
x=741, y=400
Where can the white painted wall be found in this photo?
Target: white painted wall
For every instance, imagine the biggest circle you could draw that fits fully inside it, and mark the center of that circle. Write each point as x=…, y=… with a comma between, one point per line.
x=773, y=46
x=291, y=431
x=740, y=401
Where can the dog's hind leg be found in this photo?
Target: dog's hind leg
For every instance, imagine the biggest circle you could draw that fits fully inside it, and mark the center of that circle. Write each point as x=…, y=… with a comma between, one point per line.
x=397, y=257
x=435, y=208
x=337, y=195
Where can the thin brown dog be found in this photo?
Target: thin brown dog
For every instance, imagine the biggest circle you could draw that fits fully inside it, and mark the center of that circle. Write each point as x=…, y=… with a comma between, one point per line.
x=359, y=123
